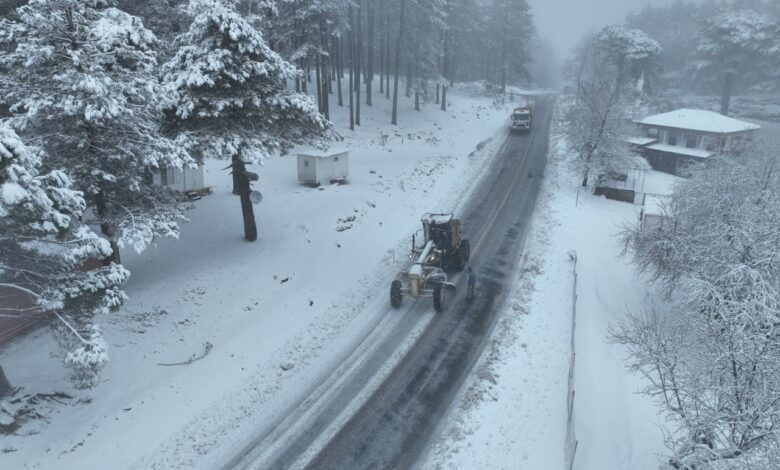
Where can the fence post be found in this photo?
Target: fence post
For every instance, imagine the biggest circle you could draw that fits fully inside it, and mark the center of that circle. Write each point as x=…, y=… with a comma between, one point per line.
x=571, y=438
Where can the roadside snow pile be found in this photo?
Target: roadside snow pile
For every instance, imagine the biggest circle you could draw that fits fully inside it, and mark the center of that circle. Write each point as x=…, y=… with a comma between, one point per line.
x=274, y=315
x=514, y=412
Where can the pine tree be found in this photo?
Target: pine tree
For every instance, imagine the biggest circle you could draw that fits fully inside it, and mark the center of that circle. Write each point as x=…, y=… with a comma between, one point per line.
x=228, y=96
x=427, y=24
x=510, y=29
x=43, y=246
x=631, y=54
x=82, y=80
x=738, y=47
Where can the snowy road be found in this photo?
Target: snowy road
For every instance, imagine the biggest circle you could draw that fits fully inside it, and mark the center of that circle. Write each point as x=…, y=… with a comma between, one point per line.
x=381, y=406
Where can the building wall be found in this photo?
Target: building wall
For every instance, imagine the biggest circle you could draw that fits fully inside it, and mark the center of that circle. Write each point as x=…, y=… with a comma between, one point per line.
x=185, y=179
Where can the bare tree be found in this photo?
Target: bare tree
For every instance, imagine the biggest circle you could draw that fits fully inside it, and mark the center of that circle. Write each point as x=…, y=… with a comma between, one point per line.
x=711, y=353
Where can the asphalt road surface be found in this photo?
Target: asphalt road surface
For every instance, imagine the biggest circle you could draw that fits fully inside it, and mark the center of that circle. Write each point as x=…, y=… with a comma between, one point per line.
x=350, y=422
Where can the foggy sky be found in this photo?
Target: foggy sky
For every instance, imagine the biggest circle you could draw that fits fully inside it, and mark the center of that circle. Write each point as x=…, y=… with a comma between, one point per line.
x=565, y=22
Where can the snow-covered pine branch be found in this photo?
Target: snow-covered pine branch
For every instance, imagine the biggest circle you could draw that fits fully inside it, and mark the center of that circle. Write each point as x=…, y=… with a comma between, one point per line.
x=83, y=84
x=43, y=246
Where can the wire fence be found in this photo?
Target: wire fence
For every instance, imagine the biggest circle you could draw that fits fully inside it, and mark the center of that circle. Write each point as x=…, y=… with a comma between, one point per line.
x=571, y=438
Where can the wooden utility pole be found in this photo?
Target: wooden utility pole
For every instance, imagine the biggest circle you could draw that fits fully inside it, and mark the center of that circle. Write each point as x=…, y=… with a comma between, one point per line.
x=244, y=178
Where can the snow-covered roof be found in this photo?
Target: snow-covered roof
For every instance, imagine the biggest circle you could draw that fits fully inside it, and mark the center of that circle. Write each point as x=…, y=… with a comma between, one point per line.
x=330, y=152
x=654, y=204
x=698, y=153
x=437, y=219
x=699, y=120
x=642, y=141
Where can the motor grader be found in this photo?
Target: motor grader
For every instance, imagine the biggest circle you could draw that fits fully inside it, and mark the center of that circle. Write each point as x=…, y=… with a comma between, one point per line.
x=443, y=249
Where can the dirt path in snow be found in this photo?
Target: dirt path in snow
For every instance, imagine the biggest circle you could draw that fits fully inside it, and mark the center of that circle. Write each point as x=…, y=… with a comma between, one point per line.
x=365, y=416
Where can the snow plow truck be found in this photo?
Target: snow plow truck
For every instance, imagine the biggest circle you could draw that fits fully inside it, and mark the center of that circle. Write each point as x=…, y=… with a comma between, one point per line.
x=521, y=120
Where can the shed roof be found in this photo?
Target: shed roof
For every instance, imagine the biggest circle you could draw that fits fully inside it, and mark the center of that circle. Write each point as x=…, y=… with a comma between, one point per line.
x=699, y=120
x=642, y=141
x=318, y=153
x=654, y=204
x=697, y=153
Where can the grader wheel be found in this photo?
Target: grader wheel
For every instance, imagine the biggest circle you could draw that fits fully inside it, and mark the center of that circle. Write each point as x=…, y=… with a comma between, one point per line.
x=439, y=297
x=395, y=294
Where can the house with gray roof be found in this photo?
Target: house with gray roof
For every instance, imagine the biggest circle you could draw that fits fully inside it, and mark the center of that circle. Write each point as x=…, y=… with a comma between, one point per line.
x=671, y=142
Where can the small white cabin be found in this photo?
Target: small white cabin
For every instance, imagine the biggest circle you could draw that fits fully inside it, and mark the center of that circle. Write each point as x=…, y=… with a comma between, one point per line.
x=183, y=180
x=314, y=168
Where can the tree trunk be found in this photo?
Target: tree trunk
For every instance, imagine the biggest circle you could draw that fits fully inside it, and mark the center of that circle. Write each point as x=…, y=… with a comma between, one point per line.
x=324, y=70
x=105, y=229
x=370, y=58
x=351, y=40
x=339, y=69
x=728, y=91
x=5, y=386
x=416, y=99
x=304, y=86
x=320, y=108
x=247, y=211
x=504, y=46
x=382, y=21
x=358, y=63
x=394, y=119
x=444, y=97
x=408, y=91
x=387, y=59
x=445, y=66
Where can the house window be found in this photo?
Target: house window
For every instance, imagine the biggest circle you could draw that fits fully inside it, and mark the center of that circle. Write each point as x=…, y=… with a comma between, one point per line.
x=671, y=138
x=692, y=141
x=652, y=132
x=662, y=137
x=335, y=159
x=306, y=163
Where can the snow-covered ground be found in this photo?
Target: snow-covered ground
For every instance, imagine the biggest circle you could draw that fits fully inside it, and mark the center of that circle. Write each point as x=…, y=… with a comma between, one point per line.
x=275, y=315
x=514, y=412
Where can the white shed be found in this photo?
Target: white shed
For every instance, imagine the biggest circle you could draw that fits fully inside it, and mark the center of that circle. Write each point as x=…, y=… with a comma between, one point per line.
x=314, y=168
x=183, y=180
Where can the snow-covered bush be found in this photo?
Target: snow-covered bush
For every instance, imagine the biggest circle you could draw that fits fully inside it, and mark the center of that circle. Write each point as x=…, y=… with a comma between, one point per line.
x=712, y=354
